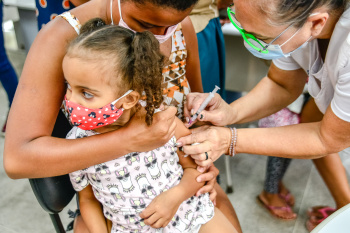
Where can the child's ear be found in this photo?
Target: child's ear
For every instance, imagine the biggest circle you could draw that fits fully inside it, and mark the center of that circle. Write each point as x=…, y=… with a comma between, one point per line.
x=131, y=100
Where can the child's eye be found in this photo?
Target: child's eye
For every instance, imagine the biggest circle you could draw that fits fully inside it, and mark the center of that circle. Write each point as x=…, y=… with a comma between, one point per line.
x=68, y=86
x=87, y=95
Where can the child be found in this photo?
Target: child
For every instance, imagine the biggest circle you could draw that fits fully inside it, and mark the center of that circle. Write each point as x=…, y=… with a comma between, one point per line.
x=106, y=63
x=275, y=197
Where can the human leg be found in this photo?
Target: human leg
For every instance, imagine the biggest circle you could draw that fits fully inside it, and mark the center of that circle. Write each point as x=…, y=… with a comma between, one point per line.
x=225, y=206
x=219, y=223
x=275, y=197
x=331, y=170
x=226, y=211
x=283, y=192
x=79, y=225
x=270, y=197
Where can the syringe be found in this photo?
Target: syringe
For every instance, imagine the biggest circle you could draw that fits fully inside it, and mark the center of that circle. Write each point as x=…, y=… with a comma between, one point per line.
x=204, y=104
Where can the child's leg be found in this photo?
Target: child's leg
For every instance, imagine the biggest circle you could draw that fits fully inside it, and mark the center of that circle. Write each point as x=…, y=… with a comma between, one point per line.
x=219, y=223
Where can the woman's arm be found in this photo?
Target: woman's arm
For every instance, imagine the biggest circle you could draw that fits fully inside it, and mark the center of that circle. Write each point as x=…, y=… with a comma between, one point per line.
x=91, y=211
x=30, y=151
x=272, y=93
x=193, y=72
x=303, y=141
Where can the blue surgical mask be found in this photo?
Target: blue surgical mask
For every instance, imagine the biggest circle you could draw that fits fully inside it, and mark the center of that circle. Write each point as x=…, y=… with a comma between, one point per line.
x=275, y=51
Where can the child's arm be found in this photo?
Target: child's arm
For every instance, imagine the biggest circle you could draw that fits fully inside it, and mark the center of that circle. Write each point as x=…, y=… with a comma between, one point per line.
x=91, y=211
x=188, y=185
x=164, y=206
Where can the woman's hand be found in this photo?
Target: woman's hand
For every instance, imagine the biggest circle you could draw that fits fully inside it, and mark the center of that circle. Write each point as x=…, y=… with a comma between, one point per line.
x=146, y=138
x=218, y=112
x=213, y=140
x=209, y=176
x=162, y=208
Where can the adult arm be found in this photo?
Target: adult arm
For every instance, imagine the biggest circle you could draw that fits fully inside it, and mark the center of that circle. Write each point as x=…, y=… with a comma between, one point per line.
x=274, y=92
x=193, y=72
x=30, y=151
x=302, y=141
x=91, y=211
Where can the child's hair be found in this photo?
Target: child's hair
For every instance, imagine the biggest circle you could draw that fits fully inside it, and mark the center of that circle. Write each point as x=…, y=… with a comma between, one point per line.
x=136, y=59
x=180, y=5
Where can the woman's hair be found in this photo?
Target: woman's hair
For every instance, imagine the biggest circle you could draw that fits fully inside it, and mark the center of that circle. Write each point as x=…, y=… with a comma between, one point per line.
x=296, y=12
x=135, y=58
x=180, y=5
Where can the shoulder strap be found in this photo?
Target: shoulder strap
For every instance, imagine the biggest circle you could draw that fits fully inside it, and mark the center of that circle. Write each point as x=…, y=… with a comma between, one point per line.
x=72, y=20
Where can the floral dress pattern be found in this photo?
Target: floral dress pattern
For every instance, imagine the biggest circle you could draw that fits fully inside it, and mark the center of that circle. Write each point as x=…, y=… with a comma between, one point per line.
x=127, y=185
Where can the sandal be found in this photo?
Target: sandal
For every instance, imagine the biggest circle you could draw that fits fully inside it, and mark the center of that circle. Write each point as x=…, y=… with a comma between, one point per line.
x=289, y=198
x=320, y=212
x=316, y=215
x=274, y=210
x=73, y=215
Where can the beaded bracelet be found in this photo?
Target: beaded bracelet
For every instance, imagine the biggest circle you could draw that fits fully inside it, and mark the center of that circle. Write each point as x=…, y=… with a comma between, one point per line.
x=233, y=142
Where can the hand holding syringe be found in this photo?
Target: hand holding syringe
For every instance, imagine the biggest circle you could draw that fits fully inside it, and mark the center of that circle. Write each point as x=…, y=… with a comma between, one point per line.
x=204, y=105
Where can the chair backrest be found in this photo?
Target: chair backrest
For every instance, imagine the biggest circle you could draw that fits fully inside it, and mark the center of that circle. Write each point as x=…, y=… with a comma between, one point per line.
x=54, y=193
x=338, y=222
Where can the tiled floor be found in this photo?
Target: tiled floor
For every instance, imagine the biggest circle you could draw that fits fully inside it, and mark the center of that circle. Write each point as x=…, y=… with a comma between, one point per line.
x=20, y=212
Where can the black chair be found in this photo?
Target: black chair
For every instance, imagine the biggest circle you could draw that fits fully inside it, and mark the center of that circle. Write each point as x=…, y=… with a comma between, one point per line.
x=54, y=193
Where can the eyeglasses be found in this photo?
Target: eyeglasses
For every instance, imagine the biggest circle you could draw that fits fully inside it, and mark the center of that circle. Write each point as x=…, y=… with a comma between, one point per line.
x=251, y=40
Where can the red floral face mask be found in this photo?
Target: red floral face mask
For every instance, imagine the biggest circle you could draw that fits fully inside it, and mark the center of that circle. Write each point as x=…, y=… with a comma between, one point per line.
x=89, y=118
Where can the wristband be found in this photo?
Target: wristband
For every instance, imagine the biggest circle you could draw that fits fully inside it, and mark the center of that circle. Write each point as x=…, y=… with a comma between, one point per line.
x=233, y=142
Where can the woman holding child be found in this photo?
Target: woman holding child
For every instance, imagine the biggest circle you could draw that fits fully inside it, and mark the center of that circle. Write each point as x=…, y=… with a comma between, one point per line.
x=34, y=153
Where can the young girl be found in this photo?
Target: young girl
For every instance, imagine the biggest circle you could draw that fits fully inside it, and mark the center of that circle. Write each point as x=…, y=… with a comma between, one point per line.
x=108, y=69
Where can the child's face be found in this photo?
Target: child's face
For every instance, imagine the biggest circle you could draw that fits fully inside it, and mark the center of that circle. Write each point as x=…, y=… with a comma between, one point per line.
x=86, y=84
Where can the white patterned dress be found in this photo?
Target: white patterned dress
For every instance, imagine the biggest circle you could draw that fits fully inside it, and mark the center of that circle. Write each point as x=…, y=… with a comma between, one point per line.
x=127, y=185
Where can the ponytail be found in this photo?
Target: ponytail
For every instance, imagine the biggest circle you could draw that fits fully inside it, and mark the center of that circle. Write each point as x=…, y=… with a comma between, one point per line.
x=147, y=70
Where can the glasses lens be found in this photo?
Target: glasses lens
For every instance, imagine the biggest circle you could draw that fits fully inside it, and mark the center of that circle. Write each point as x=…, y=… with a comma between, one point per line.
x=259, y=45
x=249, y=38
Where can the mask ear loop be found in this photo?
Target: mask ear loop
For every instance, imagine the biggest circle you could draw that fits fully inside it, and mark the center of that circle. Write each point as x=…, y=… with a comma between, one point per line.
x=111, y=5
x=313, y=14
x=120, y=10
x=290, y=38
x=127, y=93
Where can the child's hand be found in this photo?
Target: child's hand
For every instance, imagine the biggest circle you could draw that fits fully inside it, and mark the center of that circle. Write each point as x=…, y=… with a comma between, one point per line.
x=162, y=209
